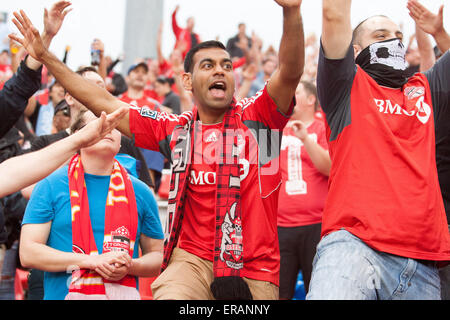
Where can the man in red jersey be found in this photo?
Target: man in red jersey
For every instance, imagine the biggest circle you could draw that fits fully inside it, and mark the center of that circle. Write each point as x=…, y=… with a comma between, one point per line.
x=222, y=240
x=137, y=79
x=305, y=165
x=186, y=38
x=384, y=229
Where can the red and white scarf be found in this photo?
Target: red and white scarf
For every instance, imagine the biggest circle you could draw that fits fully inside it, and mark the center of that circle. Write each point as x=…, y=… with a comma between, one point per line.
x=121, y=220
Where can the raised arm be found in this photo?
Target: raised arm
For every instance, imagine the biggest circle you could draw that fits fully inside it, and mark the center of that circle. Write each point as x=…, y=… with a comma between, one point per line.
x=336, y=28
x=430, y=23
x=41, y=163
x=427, y=56
x=284, y=81
x=175, y=28
x=95, y=98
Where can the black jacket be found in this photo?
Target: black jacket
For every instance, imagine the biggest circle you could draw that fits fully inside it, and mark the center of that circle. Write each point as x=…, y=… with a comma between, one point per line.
x=15, y=94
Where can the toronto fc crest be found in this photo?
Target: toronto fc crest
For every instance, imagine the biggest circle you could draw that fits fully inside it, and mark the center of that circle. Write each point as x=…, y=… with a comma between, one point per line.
x=231, y=245
x=119, y=240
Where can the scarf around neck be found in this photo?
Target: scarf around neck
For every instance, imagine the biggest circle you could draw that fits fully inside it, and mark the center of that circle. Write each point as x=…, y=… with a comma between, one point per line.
x=121, y=220
x=229, y=242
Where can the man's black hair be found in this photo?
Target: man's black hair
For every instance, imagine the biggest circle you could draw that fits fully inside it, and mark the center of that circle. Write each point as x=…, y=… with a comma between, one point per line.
x=189, y=60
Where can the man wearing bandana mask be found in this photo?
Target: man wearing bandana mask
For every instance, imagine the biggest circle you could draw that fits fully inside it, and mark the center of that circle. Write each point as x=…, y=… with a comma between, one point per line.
x=384, y=228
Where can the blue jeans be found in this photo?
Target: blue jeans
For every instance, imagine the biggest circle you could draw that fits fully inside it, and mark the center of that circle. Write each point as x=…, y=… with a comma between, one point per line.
x=345, y=268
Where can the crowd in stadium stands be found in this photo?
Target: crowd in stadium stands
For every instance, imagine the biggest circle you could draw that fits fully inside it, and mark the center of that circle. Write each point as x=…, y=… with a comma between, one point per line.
x=90, y=205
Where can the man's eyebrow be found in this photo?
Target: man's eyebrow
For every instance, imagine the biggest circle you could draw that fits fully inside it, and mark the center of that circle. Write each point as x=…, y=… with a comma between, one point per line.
x=380, y=30
x=225, y=60
x=206, y=60
x=398, y=33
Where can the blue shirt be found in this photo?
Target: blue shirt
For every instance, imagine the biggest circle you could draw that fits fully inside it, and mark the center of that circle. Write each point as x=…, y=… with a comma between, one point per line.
x=50, y=202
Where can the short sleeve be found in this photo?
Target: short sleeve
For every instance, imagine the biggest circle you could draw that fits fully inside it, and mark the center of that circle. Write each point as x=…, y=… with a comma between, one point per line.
x=439, y=79
x=148, y=208
x=261, y=108
x=40, y=209
x=153, y=130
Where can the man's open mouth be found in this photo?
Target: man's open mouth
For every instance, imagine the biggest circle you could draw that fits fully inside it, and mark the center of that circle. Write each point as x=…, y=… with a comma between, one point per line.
x=218, y=89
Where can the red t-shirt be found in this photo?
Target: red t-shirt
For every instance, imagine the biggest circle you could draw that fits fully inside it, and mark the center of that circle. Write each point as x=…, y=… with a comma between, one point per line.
x=383, y=185
x=304, y=189
x=260, y=181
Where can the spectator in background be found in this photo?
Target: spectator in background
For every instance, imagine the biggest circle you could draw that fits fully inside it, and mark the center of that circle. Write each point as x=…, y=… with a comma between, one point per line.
x=6, y=71
x=236, y=43
x=136, y=95
x=185, y=38
x=61, y=119
x=163, y=87
x=115, y=82
x=41, y=116
x=305, y=165
x=269, y=65
x=53, y=233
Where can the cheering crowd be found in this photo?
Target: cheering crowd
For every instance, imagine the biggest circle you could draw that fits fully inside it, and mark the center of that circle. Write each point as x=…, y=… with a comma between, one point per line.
x=327, y=157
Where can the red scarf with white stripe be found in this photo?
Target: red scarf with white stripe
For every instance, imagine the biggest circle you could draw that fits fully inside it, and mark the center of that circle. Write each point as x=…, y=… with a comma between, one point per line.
x=121, y=220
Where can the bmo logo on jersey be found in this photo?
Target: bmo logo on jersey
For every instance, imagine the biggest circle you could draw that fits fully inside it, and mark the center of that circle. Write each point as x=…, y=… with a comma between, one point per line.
x=201, y=178
x=422, y=110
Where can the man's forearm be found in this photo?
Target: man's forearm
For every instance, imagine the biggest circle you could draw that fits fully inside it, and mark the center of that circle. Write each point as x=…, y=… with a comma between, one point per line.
x=149, y=265
x=45, y=258
x=427, y=57
x=50, y=159
x=336, y=28
x=442, y=39
x=292, y=46
x=318, y=155
x=92, y=96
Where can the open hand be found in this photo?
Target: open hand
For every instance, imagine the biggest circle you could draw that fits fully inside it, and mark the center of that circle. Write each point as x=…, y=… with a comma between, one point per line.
x=32, y=40
x=96, y=130
x=429, y=22
x=54, y=18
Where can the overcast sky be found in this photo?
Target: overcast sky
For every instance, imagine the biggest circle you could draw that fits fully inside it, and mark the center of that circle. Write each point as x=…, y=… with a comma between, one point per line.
x=214, y=18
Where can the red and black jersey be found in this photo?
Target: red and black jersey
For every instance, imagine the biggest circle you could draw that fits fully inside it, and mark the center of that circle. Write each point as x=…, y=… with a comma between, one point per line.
x=383, y=184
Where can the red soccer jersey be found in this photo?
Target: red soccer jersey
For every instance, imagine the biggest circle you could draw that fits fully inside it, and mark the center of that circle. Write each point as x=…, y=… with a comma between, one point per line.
x=260, y=180
x=304, y=189
x=383, y=182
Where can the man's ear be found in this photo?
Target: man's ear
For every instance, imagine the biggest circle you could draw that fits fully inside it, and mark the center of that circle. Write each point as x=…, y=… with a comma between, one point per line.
x=357, y=50
x=311, y=99
x=69, y=99
x=187, y=81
